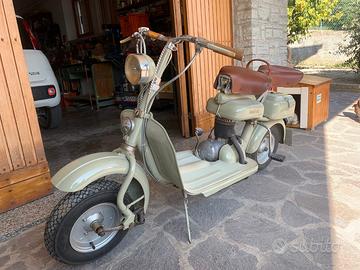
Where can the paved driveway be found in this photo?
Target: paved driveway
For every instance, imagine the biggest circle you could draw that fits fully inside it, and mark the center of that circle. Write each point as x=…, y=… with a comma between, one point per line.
x=300, y=214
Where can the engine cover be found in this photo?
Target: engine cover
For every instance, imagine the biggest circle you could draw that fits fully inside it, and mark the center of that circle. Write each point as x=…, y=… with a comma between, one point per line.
x=209, y=150
x=241, y=109
x=224, y=128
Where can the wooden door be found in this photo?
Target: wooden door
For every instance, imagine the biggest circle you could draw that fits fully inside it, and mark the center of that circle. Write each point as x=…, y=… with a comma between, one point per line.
x=177, y=7
x=210, y=19
x=24, y=173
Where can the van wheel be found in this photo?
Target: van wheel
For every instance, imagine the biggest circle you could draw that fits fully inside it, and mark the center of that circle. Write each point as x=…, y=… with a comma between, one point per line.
x=261, y=156
x=50, y=117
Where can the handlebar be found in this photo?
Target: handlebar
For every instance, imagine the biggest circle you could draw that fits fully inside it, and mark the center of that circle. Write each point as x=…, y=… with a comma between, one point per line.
x=221, y=49
x=125, y=40
x=213, y=46
x=158, y=36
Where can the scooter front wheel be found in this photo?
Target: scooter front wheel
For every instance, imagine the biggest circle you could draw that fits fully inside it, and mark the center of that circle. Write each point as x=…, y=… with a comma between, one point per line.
x=69, y=232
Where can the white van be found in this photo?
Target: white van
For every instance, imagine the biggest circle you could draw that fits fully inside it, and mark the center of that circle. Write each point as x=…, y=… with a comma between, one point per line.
x=44, y=86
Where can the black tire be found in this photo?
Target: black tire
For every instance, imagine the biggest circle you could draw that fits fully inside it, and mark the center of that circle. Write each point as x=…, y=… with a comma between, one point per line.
x=50, y=117
x=276, y=133
x=66, y=213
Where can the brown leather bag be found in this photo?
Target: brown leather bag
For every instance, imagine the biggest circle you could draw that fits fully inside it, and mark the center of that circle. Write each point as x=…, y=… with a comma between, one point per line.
x=245, y=81
x=280, y=76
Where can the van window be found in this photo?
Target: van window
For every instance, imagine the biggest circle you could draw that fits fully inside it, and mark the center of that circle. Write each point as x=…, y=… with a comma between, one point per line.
x=24, y=35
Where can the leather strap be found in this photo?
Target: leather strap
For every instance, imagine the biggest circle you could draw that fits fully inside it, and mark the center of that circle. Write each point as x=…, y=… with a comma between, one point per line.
x=259, y=60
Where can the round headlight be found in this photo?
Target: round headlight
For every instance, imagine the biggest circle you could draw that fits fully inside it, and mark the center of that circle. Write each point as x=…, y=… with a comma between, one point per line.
x=139, y=68
x=127, y=125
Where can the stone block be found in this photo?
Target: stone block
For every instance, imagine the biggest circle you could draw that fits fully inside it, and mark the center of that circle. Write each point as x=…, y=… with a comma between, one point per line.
x=148, y=255
x=295, y=216
x=317, y=205
x=215, y=253
x=257, y=232
x=177, y=228
x=319, y=244
x=209, y=212
x=261, y=188
x=288, y=175
x=288, y=260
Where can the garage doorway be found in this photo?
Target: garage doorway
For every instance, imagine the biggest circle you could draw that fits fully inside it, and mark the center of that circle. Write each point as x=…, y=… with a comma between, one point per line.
x=70, y=31
x=60, y=23
x=80, y=38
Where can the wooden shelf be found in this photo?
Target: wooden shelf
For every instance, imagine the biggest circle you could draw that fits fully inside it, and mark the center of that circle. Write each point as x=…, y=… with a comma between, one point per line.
x=141, y=4
x=131, y=7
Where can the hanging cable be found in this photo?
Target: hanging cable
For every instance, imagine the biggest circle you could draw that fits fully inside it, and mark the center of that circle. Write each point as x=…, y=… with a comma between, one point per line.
x=176, y=77
x=143, y=140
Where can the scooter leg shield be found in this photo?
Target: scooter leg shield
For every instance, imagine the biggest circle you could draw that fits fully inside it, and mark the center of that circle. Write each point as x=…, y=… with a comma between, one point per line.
x=81, y=172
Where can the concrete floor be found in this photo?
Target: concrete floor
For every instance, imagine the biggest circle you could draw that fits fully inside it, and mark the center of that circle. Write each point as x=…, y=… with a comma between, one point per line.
x=300, y=214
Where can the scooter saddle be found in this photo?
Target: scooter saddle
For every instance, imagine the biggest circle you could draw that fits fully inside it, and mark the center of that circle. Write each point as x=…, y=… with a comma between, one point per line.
x=242, y=81
x=282, y=76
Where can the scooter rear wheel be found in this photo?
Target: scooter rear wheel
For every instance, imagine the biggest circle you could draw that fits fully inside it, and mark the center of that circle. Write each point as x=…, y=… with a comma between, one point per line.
x=261, y=156
x=68, y=235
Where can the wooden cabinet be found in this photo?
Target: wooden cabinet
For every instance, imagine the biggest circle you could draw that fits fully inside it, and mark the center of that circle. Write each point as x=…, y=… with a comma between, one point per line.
x=24, y=172
x=314, y=92
x=319, y=99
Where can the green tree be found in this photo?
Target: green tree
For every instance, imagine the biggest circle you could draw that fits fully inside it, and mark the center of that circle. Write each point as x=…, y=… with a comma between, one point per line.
x=304, y=14
x=353, y=48
x=345, y=10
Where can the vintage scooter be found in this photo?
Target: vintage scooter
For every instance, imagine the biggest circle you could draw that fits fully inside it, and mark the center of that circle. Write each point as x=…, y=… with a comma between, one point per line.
x=97, y=212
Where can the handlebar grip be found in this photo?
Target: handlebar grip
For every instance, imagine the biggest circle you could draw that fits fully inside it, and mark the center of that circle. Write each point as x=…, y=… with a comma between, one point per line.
x=225, y=50
x=125, y=40
x=221, y=49
x=155, y=35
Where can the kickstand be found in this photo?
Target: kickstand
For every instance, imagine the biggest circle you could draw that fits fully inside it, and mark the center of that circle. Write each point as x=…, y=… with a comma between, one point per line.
x=187, y=215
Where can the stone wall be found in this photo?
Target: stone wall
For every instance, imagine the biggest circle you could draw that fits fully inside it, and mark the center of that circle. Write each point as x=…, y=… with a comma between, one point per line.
x=320, y=49
x=260, y=28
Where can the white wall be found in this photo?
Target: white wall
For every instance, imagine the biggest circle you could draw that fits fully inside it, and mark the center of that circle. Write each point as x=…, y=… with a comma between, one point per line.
x=321, y=48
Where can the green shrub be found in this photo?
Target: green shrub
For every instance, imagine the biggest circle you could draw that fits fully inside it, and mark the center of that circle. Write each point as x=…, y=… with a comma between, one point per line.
x=353, y=48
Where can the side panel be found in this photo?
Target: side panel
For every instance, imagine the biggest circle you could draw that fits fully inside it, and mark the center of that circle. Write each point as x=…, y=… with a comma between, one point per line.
x=260, y=132
x=85, y=170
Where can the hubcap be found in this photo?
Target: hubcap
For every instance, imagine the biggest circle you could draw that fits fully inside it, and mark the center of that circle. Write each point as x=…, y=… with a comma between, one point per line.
x=263, y=151
x=83, y=238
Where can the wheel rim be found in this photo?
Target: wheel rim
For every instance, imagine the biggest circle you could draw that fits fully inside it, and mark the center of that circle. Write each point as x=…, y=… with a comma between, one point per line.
x=263, y=150
x=83, y=239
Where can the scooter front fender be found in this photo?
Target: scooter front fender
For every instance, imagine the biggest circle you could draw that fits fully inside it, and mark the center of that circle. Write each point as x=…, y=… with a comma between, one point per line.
x=81, y=172
x=259, y=133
